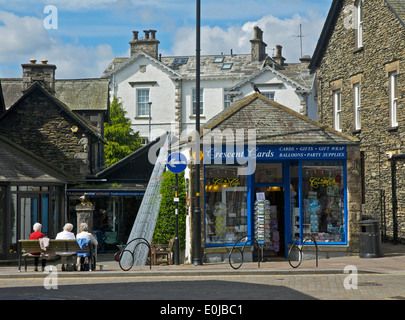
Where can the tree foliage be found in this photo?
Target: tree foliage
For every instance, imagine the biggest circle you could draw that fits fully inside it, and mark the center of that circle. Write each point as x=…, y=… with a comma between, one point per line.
x=122, y=140
x=166, y=223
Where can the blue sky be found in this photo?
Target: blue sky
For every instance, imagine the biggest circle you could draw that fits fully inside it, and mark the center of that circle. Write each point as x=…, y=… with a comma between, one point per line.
x=91, y=33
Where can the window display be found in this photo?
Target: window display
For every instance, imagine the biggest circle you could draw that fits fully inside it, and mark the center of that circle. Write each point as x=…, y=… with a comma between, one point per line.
x=225, y=205
x=323, y=210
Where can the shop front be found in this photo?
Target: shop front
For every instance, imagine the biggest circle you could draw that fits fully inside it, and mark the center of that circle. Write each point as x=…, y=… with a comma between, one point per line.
x=114, y=213
x=294, y=191
x=294, y=179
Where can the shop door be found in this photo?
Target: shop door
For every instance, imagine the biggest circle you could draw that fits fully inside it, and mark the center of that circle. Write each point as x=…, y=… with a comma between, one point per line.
x=268, y=208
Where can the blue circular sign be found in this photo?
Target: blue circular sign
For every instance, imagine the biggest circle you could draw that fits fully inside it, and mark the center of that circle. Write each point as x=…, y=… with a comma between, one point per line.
x=177, y=162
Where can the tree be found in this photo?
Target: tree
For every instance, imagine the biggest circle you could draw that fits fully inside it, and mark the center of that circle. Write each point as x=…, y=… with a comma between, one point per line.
x=166, y=222
x=122, y=140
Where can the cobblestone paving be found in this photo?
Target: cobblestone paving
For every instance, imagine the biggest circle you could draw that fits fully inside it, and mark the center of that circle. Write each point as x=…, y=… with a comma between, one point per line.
x=249, y=287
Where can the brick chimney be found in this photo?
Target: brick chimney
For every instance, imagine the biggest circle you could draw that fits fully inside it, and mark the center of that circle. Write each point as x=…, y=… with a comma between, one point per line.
x=258, y=47
x=279, y=56
x=43, y=73
x=148, y=45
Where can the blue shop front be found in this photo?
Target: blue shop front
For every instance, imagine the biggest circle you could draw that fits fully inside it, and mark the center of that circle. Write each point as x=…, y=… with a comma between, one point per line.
x=291, y=191
x=294, y=190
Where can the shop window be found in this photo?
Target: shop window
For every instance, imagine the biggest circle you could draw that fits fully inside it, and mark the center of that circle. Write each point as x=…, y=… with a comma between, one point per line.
x=225, y=205
x=323, y=201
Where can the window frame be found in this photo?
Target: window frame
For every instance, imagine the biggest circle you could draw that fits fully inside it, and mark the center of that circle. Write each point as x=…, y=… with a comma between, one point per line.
x=359, y=23
x=393, y=85
x=142, y=105
x=194, y=102
x=357, y=106
x=337, y=109
x=268, y=93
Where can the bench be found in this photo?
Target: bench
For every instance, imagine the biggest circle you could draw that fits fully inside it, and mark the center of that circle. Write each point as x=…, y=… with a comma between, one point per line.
x=27, y=246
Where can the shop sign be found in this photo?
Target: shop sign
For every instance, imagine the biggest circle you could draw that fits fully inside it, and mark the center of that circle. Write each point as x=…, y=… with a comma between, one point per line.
x=105, y=193
x=302, y=152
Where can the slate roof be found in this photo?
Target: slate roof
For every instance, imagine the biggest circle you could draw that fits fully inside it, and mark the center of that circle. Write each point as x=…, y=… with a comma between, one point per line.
x=275, y=124
x=184, y=67
x=19, y=165
x=134, y=168
x=397, y=6
x=77, y=94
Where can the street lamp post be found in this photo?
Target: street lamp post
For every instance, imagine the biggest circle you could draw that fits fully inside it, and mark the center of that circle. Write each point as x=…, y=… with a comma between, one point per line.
x=197, y=210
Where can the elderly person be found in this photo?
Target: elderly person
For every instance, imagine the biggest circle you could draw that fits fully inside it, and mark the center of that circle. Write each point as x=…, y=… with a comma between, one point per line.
x=66, y=234
x=36, y=235
x=85, y=234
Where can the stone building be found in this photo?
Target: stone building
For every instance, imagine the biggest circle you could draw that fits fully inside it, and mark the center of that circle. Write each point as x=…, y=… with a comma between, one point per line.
x=359, y=62
x=305, y=181
x=62, y=121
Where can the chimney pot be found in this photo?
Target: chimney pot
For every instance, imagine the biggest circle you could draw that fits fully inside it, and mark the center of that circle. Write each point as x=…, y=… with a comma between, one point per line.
x=152, y=34
x=44, y=61
x=146, y=33
x=135, y=34
x=33, y=61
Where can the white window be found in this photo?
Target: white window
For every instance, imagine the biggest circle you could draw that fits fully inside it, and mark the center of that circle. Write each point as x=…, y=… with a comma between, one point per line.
x=195, y=102
x=393, y=98
x=357, y=105
x=227, y=100
x=269, y=95
x=142, y=99
x=337, y=109
x=359, y=23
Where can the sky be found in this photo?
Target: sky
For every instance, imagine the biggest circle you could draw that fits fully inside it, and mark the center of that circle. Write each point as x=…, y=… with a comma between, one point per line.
x=81, y=37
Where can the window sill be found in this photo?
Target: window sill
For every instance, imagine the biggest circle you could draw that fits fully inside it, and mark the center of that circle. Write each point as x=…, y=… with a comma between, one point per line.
x=193, y=117
x=141, y=117
x=357, y=50
x=392, y=129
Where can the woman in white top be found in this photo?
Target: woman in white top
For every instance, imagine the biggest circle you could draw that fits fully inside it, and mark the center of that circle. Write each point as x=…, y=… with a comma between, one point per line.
x=65, y=235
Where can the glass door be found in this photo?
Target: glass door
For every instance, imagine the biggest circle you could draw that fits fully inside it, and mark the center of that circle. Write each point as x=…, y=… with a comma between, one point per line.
x=268, y=208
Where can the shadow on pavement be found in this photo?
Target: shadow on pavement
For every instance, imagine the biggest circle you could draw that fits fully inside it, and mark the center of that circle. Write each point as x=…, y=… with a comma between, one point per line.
x=164, y=290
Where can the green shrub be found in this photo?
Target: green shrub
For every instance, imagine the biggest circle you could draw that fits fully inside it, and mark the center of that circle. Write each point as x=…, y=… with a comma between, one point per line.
x=166, y=222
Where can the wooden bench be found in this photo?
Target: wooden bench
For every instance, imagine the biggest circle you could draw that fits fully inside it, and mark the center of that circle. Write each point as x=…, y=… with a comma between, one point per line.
x=27, y=246
x=164, y=250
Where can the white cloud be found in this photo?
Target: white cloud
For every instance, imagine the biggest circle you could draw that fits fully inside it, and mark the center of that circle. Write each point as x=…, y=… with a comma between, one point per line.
x=284, y=32
x=23, y=38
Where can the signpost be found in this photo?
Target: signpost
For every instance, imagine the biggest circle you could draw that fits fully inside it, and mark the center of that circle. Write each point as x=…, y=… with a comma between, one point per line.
x=177, y=163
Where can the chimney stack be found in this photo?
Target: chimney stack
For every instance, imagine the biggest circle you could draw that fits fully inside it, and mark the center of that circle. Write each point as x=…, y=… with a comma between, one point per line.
x=279, y=56
x=43, y=73
x=148, y=45
x=258, y=47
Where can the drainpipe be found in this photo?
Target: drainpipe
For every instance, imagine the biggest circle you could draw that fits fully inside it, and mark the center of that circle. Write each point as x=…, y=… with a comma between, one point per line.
x=394, y=195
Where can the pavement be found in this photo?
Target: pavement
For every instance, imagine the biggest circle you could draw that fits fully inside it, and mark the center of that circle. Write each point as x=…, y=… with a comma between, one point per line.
x=392, y=262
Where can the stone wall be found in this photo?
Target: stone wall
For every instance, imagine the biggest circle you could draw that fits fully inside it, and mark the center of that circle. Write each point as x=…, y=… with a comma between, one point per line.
x=343, y=64
x=40, y=126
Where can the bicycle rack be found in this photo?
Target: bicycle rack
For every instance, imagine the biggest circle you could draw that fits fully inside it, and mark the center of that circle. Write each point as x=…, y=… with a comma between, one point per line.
x=304, y=239
x=143, y=241
x=243, y=248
